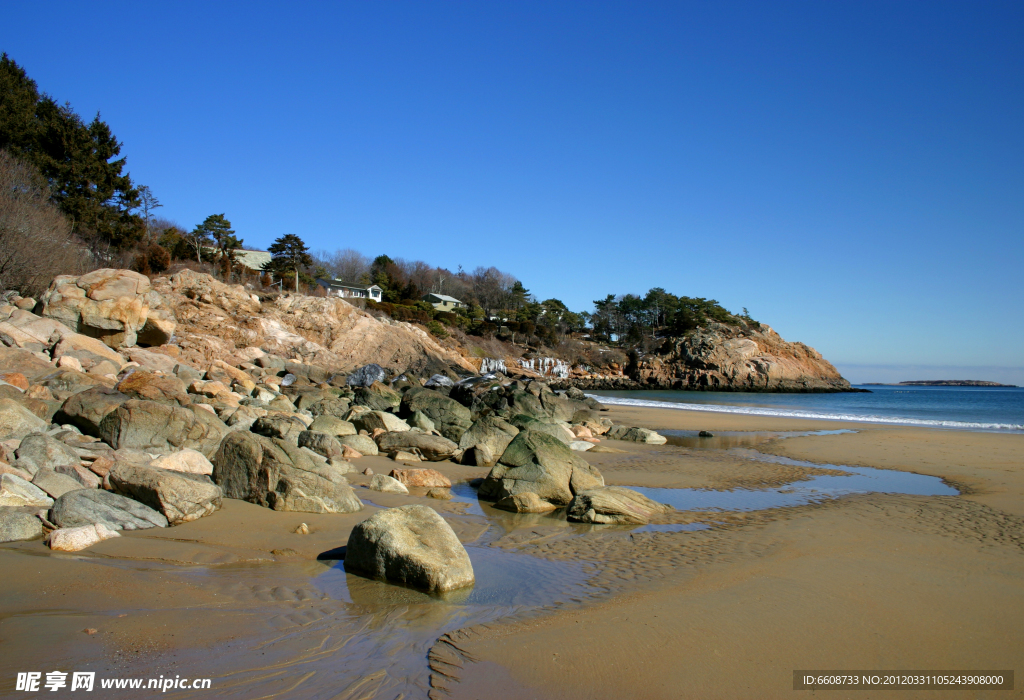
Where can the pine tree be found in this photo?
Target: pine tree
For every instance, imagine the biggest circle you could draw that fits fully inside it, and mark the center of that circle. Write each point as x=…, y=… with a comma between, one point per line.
x=78, y=160
x=216, y=230
x=290, y=253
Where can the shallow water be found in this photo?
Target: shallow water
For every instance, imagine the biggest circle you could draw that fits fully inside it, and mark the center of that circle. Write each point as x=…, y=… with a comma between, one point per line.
x=724, y=440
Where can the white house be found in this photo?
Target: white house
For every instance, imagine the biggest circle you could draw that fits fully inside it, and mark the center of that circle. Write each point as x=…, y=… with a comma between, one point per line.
x=336, y=289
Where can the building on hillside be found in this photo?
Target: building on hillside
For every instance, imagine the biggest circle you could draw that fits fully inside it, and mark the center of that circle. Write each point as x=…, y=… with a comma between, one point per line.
x=249, y=259
x=443, y=302
x=336, y=288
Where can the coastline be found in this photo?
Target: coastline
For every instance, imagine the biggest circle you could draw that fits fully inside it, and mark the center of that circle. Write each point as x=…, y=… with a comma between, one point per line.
x=875, y=581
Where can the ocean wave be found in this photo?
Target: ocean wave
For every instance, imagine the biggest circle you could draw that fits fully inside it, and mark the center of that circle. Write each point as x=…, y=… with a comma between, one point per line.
x=814, y=415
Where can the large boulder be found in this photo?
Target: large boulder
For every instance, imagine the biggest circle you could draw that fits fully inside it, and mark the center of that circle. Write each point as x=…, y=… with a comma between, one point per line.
x=321, y=443
x=374, y=420
x=432, y=448
x=360, y=443
x=87, y=409
x=75, y=539
x=112, y=305
x=387, y=484
x=279, y=425
x=621, y=432
x=330, y=408
x=367, y=375
x=542, y=464
x=16, y=525
x=181, y=497
x=161, y=428
x=186, y=461
x=55, y=485
x=559, y=431
x=422, y=478
x=490, y=432
x=377, y=397
x=412, y=546
x=38, y=451
x=93, y=506
x=154, y=387
x=16, y=421
x=276, y=474
x=15, y=491
x=451, y=418
x=332, y=425
x=614, y=504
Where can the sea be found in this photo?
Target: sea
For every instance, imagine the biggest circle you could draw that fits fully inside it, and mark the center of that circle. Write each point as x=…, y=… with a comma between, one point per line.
x=998, y=409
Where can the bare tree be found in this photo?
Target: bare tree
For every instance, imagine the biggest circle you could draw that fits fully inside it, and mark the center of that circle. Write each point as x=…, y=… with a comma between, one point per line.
x=349, y=266
x=148, y=202
x=36, y=243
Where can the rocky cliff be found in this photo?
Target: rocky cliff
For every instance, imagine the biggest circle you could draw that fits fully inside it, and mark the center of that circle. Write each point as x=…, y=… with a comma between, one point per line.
x=719, y=357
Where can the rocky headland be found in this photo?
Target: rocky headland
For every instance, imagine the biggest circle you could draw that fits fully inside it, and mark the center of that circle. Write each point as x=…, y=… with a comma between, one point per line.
x=720, y=357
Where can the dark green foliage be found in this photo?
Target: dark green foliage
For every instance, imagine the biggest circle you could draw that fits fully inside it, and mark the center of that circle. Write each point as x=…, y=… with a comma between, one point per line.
x=154, y=259
x=632, y=317
x=400, y=312
x=289, y=254
x=216, y=232
x=437, y=330
x=79, y=161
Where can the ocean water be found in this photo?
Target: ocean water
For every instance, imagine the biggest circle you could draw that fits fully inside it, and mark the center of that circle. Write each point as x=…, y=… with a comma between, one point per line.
x=964, y=408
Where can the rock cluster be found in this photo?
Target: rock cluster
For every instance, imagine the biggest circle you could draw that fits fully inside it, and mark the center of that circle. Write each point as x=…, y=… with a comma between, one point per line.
x=232, y=399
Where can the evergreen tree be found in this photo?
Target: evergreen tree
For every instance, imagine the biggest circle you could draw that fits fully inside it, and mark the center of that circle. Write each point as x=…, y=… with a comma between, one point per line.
x=290, y=253
x=217, y=230
x=79, y=161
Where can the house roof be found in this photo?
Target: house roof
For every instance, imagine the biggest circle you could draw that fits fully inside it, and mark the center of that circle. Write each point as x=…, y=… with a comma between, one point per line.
x=444, y=297
x=339, y=285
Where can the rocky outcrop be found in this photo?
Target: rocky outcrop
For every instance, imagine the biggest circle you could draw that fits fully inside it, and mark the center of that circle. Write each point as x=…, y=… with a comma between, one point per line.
x=719, y=357
x=181, y=497
x=541, y=464
x=432, y=448
x=412, y=546
x=216, y=319
x=276, y=474
x=614, y=504
x=92, y=506
x=111, y=305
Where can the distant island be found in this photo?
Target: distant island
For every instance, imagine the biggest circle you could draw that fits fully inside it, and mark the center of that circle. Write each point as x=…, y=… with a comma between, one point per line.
x=946, y=382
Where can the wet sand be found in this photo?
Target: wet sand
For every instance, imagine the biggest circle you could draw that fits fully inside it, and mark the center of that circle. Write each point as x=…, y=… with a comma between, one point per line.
x=874, y=581
x=563, y=610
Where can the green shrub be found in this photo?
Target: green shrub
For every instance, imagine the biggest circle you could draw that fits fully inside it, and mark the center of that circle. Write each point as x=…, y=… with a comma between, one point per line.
x=436, y=329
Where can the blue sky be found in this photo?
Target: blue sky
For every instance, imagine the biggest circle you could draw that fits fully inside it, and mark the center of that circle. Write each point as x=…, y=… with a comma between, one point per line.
x=850, y=172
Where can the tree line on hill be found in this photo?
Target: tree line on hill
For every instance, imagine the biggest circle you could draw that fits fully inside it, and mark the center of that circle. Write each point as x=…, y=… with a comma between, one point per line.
x=68, y=204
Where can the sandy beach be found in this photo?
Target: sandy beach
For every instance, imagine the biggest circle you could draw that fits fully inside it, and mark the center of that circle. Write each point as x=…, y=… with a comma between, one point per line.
x=875, y=581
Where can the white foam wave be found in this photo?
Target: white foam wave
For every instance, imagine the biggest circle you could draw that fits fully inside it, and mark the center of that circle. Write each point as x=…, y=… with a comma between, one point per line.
x=814, y=415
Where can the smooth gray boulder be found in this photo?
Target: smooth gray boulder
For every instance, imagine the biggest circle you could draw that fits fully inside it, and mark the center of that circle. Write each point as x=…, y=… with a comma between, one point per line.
x=621, y=432
x=181, y=497
x=367, y=375
x=330, y=407
x=614, y=505
x=321, y=443
x=16, y=421
x=542, y=464
x=451, y=418
x=15, y=491
x=161, y=428
x=87, y=409
x=377, y=397
x=55, y=485
x=17, y=525
x=491, y=433
x=361, y=444
x=276, y=474
x=432, y=448
x=412, y=546
x=556, y=430
x=332, y=425
x=38, y=451
x=420, y=420
x=93, y=506
x=387, y=484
